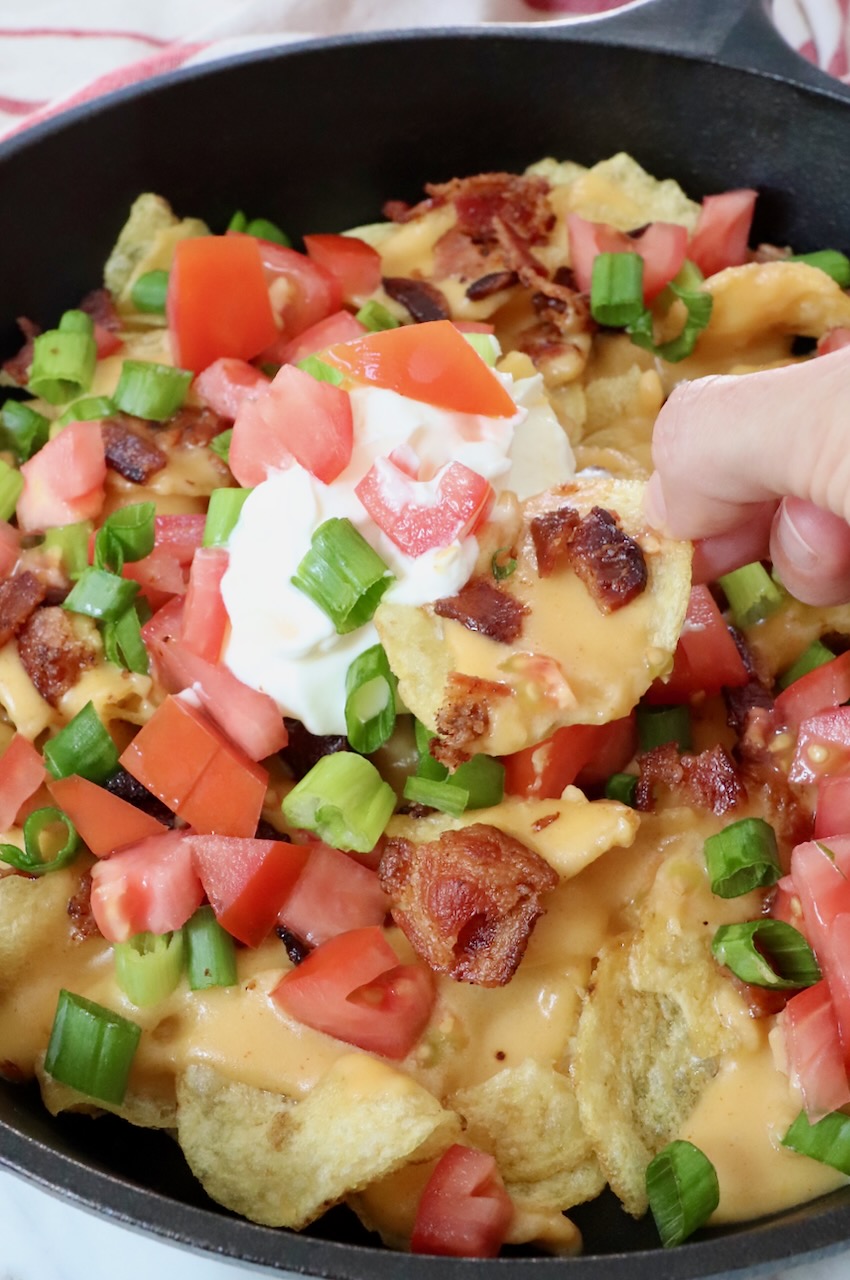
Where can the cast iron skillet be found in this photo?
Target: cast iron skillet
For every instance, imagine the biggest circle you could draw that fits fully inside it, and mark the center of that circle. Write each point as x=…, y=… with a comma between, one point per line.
x=318, y=136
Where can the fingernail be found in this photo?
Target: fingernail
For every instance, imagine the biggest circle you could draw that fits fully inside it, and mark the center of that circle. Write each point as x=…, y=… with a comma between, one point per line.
x=654, y=506
x=796, y=548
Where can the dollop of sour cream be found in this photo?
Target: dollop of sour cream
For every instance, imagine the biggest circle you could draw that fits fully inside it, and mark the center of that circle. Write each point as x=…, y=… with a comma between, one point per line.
x=283, y=644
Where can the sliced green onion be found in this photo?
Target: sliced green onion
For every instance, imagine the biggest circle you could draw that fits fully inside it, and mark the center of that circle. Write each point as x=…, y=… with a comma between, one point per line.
x=375, y=316
x=152, y=391
x=24, y=431
x=835, y=264
x=445, y=796
x=622, y=787
x=148, y=966
x=683, y=1191
x=266, y=230
x=63, y=359
x=817, y=655
x=72, y=543
x=11, y=488
x=211, y=952
x=616, y=288
x=428, y=767
x=128, y=534
x=123, y=643
x=766, y=953
x=502, y=564
x=221, y=444
x=319, y=370
x=486, y=345
x=89, y=409
x=238, y=222
x=343, y=575
x=83, y=746
x=91, y=1048
x=370, y=701
x=659, y=725
x=100, y=594
x=149, y=292
x=344, y=800
x=222, y=514
x=827, y=1140
x=690, y=278
x=741, y=857
x=43, y=830
x=698, y=305
x=483, y=779
x=752, y=594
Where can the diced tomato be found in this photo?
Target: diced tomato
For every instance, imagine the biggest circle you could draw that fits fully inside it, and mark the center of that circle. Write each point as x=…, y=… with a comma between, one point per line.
x=833, y=340
x=821, y=876
x=723, y=231
x=302, y=292
x=662, y=246
x=21, y=775
x=10, y=548
x=464, y=1211
x=298, y=417
x=166, y=570
x=785, y=904
x=160, y=631
x=334, y=894
x=356, y=265
x=421, y=515
x=342, y=326
x=64, y=481
x=823, y=746
x=105, y=822
x=250, y=719
x=832, y=811
x=706, y=659
x=431, y=362
x=353, y=987
x=183, y=759
x=615, y=745
x=246, y=881
x=218, y=301
x=814, y=1051
x=225, y=383
x=596, y=750
x=205, y=617
x=106, y=340
x=149, y=887
x=827, y=686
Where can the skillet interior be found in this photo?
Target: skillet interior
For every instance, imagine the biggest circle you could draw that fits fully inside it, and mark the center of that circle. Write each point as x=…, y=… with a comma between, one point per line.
x=317, y=137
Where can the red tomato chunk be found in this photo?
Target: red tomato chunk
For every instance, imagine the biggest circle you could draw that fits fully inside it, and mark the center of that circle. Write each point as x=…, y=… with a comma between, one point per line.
x=149, y=887
x=246, y=881
x=464, y=1211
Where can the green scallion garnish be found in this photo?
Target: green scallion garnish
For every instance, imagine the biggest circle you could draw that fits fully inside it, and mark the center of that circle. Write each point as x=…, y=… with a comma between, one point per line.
x=376, y=317
x=502, y=564
x=683, y=1191
x=211, y=952
x=616, y=289
x=63, y=359
x=101, y=595
x=344, y=800
x=835, y=264
x=752, y=594
x=22, y=429
x=445, y=796
x=622, y=787
x=151, y=391
x=148, y=966
x=742, y=857
x=128, y=534
x=89, y=409
x=827, y=1140
x=817, y=655
x=42, y=852
x=343, y=575
x=149, y=292
x=370, y=711
x=698, y=305
x=123, y=643
x=91, y=1048
x=319, y=370
x=428, y=767
x=72, y=543
x=83, y=746
x=483, y=779
x=766, y=953
x=659, y=725
x=11, y=488
x=222, y=515
x=485, y=345
x=220, y=445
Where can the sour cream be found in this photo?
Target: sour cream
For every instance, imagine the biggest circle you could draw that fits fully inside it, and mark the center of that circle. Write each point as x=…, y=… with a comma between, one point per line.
x=284, y=645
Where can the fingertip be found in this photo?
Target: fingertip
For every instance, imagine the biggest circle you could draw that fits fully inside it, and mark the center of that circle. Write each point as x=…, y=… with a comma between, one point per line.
x=654, y=504
x=810, y=549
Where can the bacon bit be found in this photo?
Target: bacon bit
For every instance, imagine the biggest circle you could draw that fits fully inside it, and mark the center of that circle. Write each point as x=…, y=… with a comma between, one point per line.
x=126, y=787
x=705, y=781
x=768, y=253
x=20, y=596
x=493, y=282
x=53, y=654
x=295, y=948
x=424, y=301
x=482, y=606
x=755, y=695
x=542, y=823
x=610, y=563
x=304, y=749
x=190, y=427
x=467, y=901
x=464, y=717
x=18, y=367
x=79, y=909
x=782, y=805
x=129, y=453
x=100, y=305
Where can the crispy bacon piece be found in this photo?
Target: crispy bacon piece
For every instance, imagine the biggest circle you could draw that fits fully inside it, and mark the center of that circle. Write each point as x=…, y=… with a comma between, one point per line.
x=424, y=301
x=128, y=451
x=493, y=282
x=610, y=563
x=745, y=700
x=467, y=901
x=482, y=606
x=782, y=805
x=189, y=427
x=53, y=654
x=126, y=787
x=18, y=366
x=83, y=924
x=20, y=596
x=464, y=717
x=304, y=749
x=100, y=305
x=520, y=201
x=705, y=781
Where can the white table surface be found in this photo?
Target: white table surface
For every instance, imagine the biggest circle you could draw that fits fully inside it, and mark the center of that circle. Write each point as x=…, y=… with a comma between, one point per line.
x=44, y=1238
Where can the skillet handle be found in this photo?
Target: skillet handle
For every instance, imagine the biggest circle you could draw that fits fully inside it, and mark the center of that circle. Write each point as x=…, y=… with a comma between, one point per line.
x=737, y=33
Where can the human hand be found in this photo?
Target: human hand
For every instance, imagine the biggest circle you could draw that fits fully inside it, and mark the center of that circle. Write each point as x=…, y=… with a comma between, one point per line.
x=759, y=465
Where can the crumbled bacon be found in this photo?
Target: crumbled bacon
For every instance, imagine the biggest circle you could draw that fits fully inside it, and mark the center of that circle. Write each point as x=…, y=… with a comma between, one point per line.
x=424, y=301
x=754, y=696
x=83, y=924
x=18, y=366
x=482, y=606
x=467, y=901
x=520, y=201
x=610, y=563
x=493, y=282
x=100, y=305
x=190, y=426
x=295, y=948
x=464, y=717
x=53, y=654
x=126, y=787
x=782, y=805
x=705, y=781
x=304, y=749
x=128, y=452
x=20, y=596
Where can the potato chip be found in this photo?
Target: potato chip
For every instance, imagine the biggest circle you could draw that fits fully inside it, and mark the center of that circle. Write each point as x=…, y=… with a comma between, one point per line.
x=146, y=243
x=620, y=192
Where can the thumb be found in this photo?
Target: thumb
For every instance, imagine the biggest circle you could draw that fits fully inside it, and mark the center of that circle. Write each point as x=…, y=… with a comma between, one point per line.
x=810, y=550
